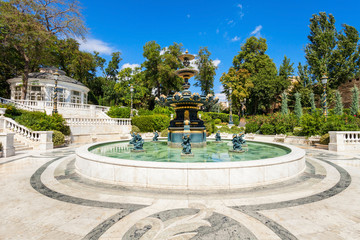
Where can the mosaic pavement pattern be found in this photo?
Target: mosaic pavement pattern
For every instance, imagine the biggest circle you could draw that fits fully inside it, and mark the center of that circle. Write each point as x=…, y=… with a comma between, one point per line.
x=42, y=197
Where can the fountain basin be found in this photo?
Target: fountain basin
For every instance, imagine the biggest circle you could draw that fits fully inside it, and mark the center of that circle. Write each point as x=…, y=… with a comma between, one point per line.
x=190, y=175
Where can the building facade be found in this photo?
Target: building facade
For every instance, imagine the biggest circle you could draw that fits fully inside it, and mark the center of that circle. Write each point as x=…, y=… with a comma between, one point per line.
x=41, y=87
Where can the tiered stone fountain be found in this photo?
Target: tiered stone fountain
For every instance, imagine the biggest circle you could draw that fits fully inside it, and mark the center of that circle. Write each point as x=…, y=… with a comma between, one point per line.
x=187, y=105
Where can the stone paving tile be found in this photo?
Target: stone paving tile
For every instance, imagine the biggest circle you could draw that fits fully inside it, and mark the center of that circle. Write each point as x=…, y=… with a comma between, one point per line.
x=43, y=198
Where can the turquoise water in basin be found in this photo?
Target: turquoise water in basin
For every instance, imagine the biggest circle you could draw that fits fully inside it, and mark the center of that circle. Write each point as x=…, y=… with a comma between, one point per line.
x=213, y=152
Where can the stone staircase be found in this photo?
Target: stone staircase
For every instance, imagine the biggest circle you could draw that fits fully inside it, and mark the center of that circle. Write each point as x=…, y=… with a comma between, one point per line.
x=20, y=146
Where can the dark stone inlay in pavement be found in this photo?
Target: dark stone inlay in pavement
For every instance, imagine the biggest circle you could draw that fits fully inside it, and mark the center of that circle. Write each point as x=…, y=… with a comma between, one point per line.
x=38, y=185
x=279, y=230
x=252, y=210
x=341, y=185
x=105, y=225
x=212, y=226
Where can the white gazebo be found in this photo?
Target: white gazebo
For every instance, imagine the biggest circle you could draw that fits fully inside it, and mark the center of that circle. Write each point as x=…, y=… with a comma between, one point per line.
x=41, y=87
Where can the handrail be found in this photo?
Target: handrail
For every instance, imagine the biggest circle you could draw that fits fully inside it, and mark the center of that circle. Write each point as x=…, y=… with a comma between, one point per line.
x=40, y=105
x=97, y=121
x=17, y=104
x=21, y=130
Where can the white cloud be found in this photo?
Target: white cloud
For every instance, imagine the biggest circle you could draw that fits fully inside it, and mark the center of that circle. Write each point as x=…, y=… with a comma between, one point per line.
x=188, y=16
x=163, y=50
x=235, y=39
x=92, y=44
x=241, y=10
x=256, y=31
x=128, y=65
x=216, y=62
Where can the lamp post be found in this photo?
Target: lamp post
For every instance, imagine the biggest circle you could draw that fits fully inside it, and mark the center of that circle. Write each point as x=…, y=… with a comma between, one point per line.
x=56, y=76
x=131, y=108
x=231, y=123
x=324, y=79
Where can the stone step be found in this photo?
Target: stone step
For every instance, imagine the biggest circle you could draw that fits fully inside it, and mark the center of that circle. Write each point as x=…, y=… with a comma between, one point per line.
x=17, y=149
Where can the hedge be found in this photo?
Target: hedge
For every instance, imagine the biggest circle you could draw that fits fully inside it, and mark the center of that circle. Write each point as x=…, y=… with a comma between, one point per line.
x=119, y=112
x=149, y=123
x=37, y=121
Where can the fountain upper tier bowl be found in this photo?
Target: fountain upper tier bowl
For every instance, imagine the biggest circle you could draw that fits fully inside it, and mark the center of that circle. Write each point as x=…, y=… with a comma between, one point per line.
x=212, y=167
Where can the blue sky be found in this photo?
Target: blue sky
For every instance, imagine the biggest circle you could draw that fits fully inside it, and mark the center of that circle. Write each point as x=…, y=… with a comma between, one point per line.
x=222, y=26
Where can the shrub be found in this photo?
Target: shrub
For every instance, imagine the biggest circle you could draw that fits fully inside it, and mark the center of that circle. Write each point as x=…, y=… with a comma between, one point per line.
x=325, y=139
x=251, y=127
x=11, y=111
x=144, y=112
x=58, y=138
x=164, y=133
x=311, y=124
x=297, y=131
x=217, y=121
x=1, y=147
x=135, y=129
x=39, y=121
x=210, y=127
x=236, y=120
x=163, y=110
x=149, y=123
x=267, y=129
x=119, y=112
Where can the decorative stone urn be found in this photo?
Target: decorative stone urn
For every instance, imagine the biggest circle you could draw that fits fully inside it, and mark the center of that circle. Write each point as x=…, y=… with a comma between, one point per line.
x=2, y=111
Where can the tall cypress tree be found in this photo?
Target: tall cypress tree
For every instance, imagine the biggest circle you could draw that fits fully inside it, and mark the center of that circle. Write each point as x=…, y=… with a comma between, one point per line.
x=338, y=110
x=312, y=102
x=298, y=109
x=284, y=104
x=354, y=108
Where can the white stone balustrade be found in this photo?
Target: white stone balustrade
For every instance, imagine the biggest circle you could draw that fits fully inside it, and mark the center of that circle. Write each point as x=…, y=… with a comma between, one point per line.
x=65, y=108
x=39, y=140
x=7, y=140
x=344, y=141
x=98, y=121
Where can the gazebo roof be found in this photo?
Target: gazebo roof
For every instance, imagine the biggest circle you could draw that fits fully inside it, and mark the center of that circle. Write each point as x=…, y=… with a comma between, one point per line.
x=48, y=74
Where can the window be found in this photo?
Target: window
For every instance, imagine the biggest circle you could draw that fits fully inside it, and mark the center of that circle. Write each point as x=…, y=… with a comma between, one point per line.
x=85, y=98
x=17, y=93
x=60, y=94
x=75, y=97
x=35, y=93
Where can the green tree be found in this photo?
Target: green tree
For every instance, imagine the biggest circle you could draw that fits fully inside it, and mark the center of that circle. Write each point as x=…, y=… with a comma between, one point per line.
x=330, y=51
x=267, y=85
x=31, y=28
x=141, y=95
x=312, y=103
x=152, y=65
x=205, y=77
x=286, y=69
x=338, y=110
x=298, y=108
x=170, y=82
x=354, y=108
x=284, y=104
x=112, y=69
x=240, y=82
x=22, y=32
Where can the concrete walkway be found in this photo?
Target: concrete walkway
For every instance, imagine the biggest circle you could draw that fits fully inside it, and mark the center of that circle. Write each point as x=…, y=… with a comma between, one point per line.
x=42, y=197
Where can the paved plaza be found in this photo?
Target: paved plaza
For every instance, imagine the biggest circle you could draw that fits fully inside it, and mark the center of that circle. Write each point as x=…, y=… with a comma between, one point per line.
x=42, y=197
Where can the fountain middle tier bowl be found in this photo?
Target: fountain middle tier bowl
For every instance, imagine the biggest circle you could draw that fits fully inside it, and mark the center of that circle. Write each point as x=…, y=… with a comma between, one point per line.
x=212, y=167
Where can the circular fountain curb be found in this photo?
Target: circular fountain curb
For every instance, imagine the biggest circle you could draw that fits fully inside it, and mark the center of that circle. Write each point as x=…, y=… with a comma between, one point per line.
x=190, y=176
